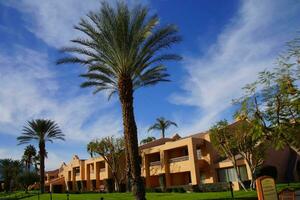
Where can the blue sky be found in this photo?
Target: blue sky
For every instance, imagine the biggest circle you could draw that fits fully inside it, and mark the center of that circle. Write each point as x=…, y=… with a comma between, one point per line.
x=225, y=44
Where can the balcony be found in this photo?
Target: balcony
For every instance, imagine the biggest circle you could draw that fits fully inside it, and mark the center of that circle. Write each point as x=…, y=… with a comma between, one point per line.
x=102, y=169
x=178, y=159
x=155, y=163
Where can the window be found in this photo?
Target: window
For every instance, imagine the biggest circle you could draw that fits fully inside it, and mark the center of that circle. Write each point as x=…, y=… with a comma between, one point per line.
x=199, y=154
x=229, y=174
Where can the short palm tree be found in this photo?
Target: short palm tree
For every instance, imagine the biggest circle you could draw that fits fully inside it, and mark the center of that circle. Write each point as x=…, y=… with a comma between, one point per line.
x=122, y=50
x=42, y=131
x=147, y=140
x=162, y=125
x=28, y=156
x=91, y=148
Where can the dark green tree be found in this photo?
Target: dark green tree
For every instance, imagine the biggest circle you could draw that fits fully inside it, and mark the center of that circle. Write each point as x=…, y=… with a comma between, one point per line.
x=27, y=178
x=9, y=170
x=28, y=156
x=148, y=139
x=162, y=125
x=41, y=131
x=123, y=51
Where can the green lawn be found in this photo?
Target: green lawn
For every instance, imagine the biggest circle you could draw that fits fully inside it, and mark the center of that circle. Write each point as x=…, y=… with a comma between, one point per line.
x=250, y=195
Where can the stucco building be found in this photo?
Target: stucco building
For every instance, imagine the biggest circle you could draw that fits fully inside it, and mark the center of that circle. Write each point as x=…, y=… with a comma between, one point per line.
x=177, y=162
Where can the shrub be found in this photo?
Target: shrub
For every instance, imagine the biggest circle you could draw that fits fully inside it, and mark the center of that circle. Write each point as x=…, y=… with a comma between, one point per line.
x=109, y=185
x=195, y=188
x=214, y=187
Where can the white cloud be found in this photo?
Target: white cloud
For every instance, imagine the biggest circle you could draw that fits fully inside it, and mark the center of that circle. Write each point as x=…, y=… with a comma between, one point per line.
x=30, y=90
x=53, y=20
x=248, y=44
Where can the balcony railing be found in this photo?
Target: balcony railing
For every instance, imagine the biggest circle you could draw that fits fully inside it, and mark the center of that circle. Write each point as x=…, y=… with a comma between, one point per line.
x=178, y=159
x=155, y=163
x=102, y=170
x=77, y=174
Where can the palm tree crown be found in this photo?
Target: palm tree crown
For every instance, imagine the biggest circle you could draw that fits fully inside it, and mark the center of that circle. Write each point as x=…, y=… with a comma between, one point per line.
x=121, y=43
x=162, y=124
x=40, y=130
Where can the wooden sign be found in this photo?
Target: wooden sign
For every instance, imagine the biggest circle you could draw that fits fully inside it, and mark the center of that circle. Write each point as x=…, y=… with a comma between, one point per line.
x=287, y=194
x=266, y=188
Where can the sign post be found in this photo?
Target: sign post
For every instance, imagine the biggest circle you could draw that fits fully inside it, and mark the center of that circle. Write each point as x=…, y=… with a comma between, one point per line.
x=266, y=188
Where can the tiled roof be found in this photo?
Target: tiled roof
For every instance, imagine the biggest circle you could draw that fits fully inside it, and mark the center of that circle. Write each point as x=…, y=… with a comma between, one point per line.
x=154, y=143
x=53, y=171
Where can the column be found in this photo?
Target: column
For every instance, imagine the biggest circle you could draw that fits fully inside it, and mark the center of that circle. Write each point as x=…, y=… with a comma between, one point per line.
x=164, y=159
x=195, y=174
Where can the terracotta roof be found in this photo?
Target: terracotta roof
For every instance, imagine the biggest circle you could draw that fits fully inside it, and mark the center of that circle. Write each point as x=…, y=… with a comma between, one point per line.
x=154, y=143
x=56, y=181
x=53, y=171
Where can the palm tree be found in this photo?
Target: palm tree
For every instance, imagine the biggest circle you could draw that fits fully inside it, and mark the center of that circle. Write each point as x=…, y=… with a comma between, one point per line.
x=42, y=131
x=28, y=156
x=91, y=148
x=162, y=125
x=122, y=50
x=147, y=140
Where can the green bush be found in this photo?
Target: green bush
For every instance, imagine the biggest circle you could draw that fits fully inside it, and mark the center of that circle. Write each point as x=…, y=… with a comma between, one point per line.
x=214, y=187
x=178, y=190
x=109, y=185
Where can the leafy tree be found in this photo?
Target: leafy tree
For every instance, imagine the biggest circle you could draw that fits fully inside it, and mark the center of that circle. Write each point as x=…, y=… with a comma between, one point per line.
x=162, y=125
x=28, y=156
x=223, y=140
x=10, y=169
x=112, y=150
x=27, y=178
x=42, y=131
x=123, y=51
x=272, y=102
x=252, y=149
x=147, y=140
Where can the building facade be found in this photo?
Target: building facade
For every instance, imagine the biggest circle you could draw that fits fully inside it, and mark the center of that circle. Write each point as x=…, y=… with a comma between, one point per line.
x=176, y=162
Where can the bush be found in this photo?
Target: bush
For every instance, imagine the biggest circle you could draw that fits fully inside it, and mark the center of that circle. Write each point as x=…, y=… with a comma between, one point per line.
x=214, y=187
x=267, y=171
x=169, y=190
x=195, y=188
x=178, y=190
x=109, y=185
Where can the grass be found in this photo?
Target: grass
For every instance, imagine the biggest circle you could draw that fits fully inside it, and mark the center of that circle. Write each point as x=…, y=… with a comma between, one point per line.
x=242, y=195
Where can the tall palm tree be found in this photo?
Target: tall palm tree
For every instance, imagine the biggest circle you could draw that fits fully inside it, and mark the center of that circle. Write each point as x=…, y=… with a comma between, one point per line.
x=42, y=131
x=162, y=125
x=28, y=156
x=122, y=50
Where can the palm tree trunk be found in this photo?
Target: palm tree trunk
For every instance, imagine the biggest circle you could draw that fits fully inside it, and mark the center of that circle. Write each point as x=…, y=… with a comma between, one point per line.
x=130, y=131
x=42, y=166
x=128, y=168
x=163, y=133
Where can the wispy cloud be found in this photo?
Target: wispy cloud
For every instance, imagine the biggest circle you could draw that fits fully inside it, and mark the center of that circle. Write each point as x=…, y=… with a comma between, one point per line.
x=248, y=44
x=30, y=90
x=53, y=21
